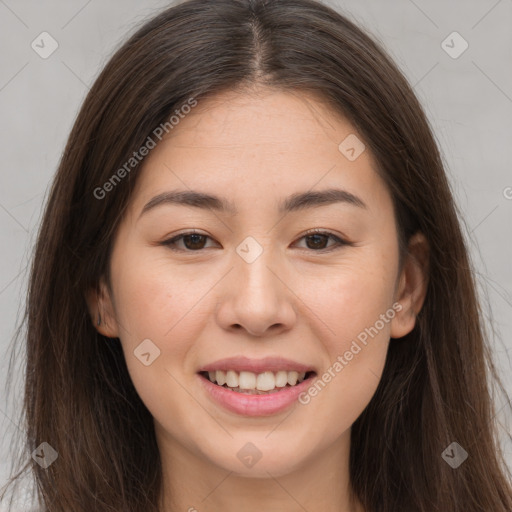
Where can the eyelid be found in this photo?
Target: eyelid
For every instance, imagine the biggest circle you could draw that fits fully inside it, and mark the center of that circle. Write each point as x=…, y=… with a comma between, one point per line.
x=341, y=241
x=176, y=238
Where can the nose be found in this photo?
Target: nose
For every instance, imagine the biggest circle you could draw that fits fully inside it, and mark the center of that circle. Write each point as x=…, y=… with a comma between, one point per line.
x=256, y=297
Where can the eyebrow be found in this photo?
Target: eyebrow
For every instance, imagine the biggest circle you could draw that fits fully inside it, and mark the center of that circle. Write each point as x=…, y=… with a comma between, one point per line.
x=295, y=202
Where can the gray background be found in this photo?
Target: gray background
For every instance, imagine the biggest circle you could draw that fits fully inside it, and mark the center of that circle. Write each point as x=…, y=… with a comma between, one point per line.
x=467, y=99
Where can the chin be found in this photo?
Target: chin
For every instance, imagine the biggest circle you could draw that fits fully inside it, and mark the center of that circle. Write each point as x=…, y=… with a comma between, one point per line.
x=248, y=462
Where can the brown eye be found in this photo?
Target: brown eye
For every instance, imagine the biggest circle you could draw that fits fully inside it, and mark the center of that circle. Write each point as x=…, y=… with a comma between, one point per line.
x=192, y=242
x=317, y=241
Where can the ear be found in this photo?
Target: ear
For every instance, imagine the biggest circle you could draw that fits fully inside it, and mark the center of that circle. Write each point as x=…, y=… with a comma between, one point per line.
x=100, y=306
x=412, y=286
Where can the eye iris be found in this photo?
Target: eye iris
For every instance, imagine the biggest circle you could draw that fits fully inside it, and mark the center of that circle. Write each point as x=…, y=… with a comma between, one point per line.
x=317, y=237
x=195, y=238
x=196, y=241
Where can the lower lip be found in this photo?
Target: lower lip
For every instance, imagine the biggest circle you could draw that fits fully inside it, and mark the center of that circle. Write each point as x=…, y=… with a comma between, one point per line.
x=255, y=405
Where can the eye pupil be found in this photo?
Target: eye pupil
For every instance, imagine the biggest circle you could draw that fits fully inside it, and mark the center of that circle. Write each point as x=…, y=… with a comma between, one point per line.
x=194, y=237
x=193, y=241
x=316, y=238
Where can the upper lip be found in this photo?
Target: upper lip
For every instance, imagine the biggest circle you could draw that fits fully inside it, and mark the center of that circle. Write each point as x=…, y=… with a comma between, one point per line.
x=267, y=364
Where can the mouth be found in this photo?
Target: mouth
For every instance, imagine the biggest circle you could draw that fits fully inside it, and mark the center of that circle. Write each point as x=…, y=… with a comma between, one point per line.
x=250, y=383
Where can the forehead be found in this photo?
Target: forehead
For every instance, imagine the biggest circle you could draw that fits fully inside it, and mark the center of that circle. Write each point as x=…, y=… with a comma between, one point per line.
x=273, y=118
x=259, y=144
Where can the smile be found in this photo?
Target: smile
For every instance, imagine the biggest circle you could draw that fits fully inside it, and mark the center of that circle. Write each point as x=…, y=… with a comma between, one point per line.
x=247, y=401
x=256, y=384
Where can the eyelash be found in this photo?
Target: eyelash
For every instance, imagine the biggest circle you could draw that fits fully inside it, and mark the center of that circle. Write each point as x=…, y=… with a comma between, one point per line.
x=340, y=242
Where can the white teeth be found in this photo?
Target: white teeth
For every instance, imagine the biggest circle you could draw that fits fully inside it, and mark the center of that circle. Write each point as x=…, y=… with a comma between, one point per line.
x=231, y=379
x=266, y=381
x=281, y=379
x=292, y=378
x=247, y=380
x=220, y=377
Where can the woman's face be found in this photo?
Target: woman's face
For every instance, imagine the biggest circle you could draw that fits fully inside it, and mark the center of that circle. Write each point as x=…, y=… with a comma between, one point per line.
x=254, y=284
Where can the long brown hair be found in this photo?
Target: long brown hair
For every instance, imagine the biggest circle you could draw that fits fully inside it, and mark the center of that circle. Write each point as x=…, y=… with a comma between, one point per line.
x=79, y=397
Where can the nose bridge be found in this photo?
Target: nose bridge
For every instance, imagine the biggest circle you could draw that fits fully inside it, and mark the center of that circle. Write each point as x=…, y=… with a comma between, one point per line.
x=256, y=297
x=257, y=258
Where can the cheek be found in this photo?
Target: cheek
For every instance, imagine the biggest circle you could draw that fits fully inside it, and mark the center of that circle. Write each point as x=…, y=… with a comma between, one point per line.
x=357, y=308
x=355, y=298
x=156, y=303
x=154, y=299
x=355, y=360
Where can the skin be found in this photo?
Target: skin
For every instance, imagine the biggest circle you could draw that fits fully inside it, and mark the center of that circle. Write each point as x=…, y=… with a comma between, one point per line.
x=295, y=300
